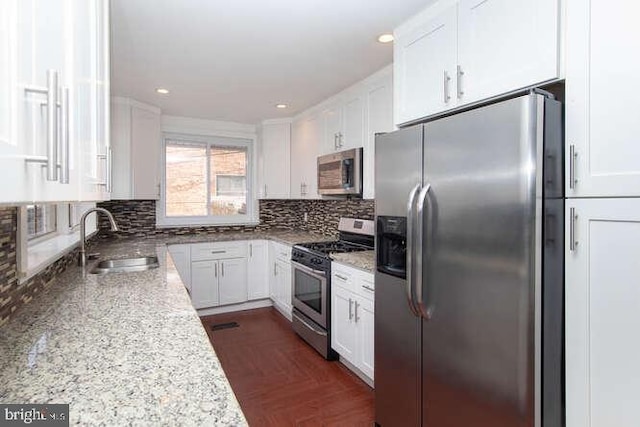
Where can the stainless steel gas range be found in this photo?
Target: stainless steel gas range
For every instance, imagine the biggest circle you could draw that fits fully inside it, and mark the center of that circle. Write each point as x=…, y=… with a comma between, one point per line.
x=311, y=265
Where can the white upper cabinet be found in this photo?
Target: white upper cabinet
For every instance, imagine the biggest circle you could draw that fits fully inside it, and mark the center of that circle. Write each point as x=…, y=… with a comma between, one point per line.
x=505, y=45
x=425, y=65
x=344, y=124
x=305, y=143
x=54, y=73
x=136, y=144
x=602, y=127
x=274, y=164
x=457, y=53
x=378, y=119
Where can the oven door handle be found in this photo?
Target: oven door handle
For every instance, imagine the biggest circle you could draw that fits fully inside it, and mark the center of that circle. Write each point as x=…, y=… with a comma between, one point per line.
x=309, y=270
x=305, y=323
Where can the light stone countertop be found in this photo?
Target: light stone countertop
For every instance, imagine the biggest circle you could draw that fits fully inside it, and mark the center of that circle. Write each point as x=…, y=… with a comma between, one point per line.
x=122, y=348
x=364, y=260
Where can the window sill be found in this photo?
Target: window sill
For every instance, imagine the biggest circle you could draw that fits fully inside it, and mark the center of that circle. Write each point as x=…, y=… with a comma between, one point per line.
x=43, y=254
x=203, y=222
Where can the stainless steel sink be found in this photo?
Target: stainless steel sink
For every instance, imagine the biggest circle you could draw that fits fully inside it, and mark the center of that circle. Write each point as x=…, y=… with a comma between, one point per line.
x=125, y=265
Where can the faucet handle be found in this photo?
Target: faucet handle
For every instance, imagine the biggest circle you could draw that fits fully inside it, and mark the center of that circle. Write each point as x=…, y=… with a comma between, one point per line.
x=93, y=255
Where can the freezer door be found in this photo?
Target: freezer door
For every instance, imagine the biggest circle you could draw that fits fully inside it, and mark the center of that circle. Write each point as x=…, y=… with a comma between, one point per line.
x=397, y=328
x=398, y=169
x=480, y=280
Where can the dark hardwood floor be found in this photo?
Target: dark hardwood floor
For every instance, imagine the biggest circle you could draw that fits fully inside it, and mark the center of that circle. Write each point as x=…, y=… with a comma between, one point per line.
x=279, y=380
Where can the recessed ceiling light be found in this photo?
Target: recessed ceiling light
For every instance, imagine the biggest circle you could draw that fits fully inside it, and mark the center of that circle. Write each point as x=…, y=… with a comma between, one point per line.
x=162, y=91
x=281, y=106
x=385, y=38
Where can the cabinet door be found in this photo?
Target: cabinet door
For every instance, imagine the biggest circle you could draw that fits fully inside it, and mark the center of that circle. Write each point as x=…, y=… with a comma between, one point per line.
x=364, y=316
x=505, y=45
x=204, y=284
x=275, y=157
x=343, y=327
x=425, y=65
x=601, y=126
x=602, y=316
x=307, y=134
x=181, y=256
x=145, y=154
x=379, y=119
x=233, y=280
x=352, y=135
x=332, y=118
x=284, y=285
x=257, y=270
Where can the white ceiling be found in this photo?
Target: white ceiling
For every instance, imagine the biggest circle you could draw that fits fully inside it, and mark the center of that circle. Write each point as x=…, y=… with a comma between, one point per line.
x=234, y=60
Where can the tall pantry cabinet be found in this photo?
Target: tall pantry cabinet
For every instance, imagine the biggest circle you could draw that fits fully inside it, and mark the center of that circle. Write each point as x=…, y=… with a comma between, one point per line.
x=54, y=82
x=602, y=214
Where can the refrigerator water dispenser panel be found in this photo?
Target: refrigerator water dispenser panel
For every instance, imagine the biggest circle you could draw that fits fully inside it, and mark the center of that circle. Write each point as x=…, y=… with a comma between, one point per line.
x=392, y=245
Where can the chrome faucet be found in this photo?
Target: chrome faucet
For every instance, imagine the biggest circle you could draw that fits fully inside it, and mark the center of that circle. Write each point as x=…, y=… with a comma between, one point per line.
x=82, y=259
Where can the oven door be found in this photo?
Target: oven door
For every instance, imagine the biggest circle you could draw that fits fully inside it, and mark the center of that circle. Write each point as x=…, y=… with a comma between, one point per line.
x=310, y=292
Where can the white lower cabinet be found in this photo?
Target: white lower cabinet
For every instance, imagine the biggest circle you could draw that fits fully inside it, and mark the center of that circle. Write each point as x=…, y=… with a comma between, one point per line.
x=232, y=281
x=204, y=284
x=280, y=278
x=352, y=317
x=602, y=317
x=257, y=270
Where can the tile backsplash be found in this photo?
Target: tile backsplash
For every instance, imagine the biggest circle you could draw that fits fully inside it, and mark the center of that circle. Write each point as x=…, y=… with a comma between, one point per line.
x=138, y=217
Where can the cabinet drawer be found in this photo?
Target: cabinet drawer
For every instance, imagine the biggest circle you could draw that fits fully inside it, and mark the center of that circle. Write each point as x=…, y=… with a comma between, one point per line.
x=281, y=252
x=365, y=285
x=221, y=250
x=343, y=276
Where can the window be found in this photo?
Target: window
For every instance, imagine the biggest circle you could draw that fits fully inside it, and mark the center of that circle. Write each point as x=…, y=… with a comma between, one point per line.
x=41, y=221
x=206, y=181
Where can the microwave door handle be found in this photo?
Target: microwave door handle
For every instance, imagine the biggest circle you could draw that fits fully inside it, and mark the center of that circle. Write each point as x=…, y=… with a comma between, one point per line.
x=409, y=250
x=422, y=307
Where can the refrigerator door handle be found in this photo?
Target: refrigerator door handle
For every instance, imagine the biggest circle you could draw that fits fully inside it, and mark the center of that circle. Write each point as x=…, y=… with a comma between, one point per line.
x=410, y=249
x=422, y=197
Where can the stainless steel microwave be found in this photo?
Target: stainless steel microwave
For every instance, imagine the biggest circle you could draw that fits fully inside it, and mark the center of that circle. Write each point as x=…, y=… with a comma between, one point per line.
x=340, y=173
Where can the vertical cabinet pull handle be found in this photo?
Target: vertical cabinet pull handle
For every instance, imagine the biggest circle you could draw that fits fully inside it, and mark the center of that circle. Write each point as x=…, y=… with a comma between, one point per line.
x=459, y=74
x=356, y=312
x=64, y=143
x=340, y=139
x=350, y=313
x=572, y=166
x=335, y=141
x=573, y=243
x=265, y=190
x=52, y=125
x=250, y=250
x=446, y=81
x=215, y=267
x=222, y=266
x=275, y=269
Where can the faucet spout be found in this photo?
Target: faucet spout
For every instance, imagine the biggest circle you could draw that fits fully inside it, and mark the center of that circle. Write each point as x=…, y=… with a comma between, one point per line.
x=82, y=258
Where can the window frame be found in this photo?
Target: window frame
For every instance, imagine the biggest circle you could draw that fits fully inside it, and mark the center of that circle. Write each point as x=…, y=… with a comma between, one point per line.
x=249, y=218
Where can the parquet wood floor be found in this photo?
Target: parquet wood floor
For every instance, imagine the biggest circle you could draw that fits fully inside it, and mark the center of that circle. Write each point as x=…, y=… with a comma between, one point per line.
x=280, y=380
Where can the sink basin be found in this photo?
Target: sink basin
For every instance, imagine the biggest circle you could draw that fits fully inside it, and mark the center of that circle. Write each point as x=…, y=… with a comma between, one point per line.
x=125, y=265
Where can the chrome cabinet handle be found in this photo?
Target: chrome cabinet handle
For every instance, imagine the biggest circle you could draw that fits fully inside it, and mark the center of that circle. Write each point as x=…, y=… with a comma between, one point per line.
x=250, y=250
x=51, y=91
x=422, y=307
x=573, y=243
x=222, y=268
x=218, y=252
x=340, y=276
x=265, y=190
x=350, y=313
x=369, y=288
x=356, y=312
x=335, y=141
x=573, y=155
x=215, y=273
x=275, y=269
x=340, y=139
x=446, y=81
x=64, y=136
x=409, y=252
x=459, y=74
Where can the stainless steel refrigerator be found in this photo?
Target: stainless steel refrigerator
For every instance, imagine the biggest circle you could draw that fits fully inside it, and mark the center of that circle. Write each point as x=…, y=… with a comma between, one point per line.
x=469, y=268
